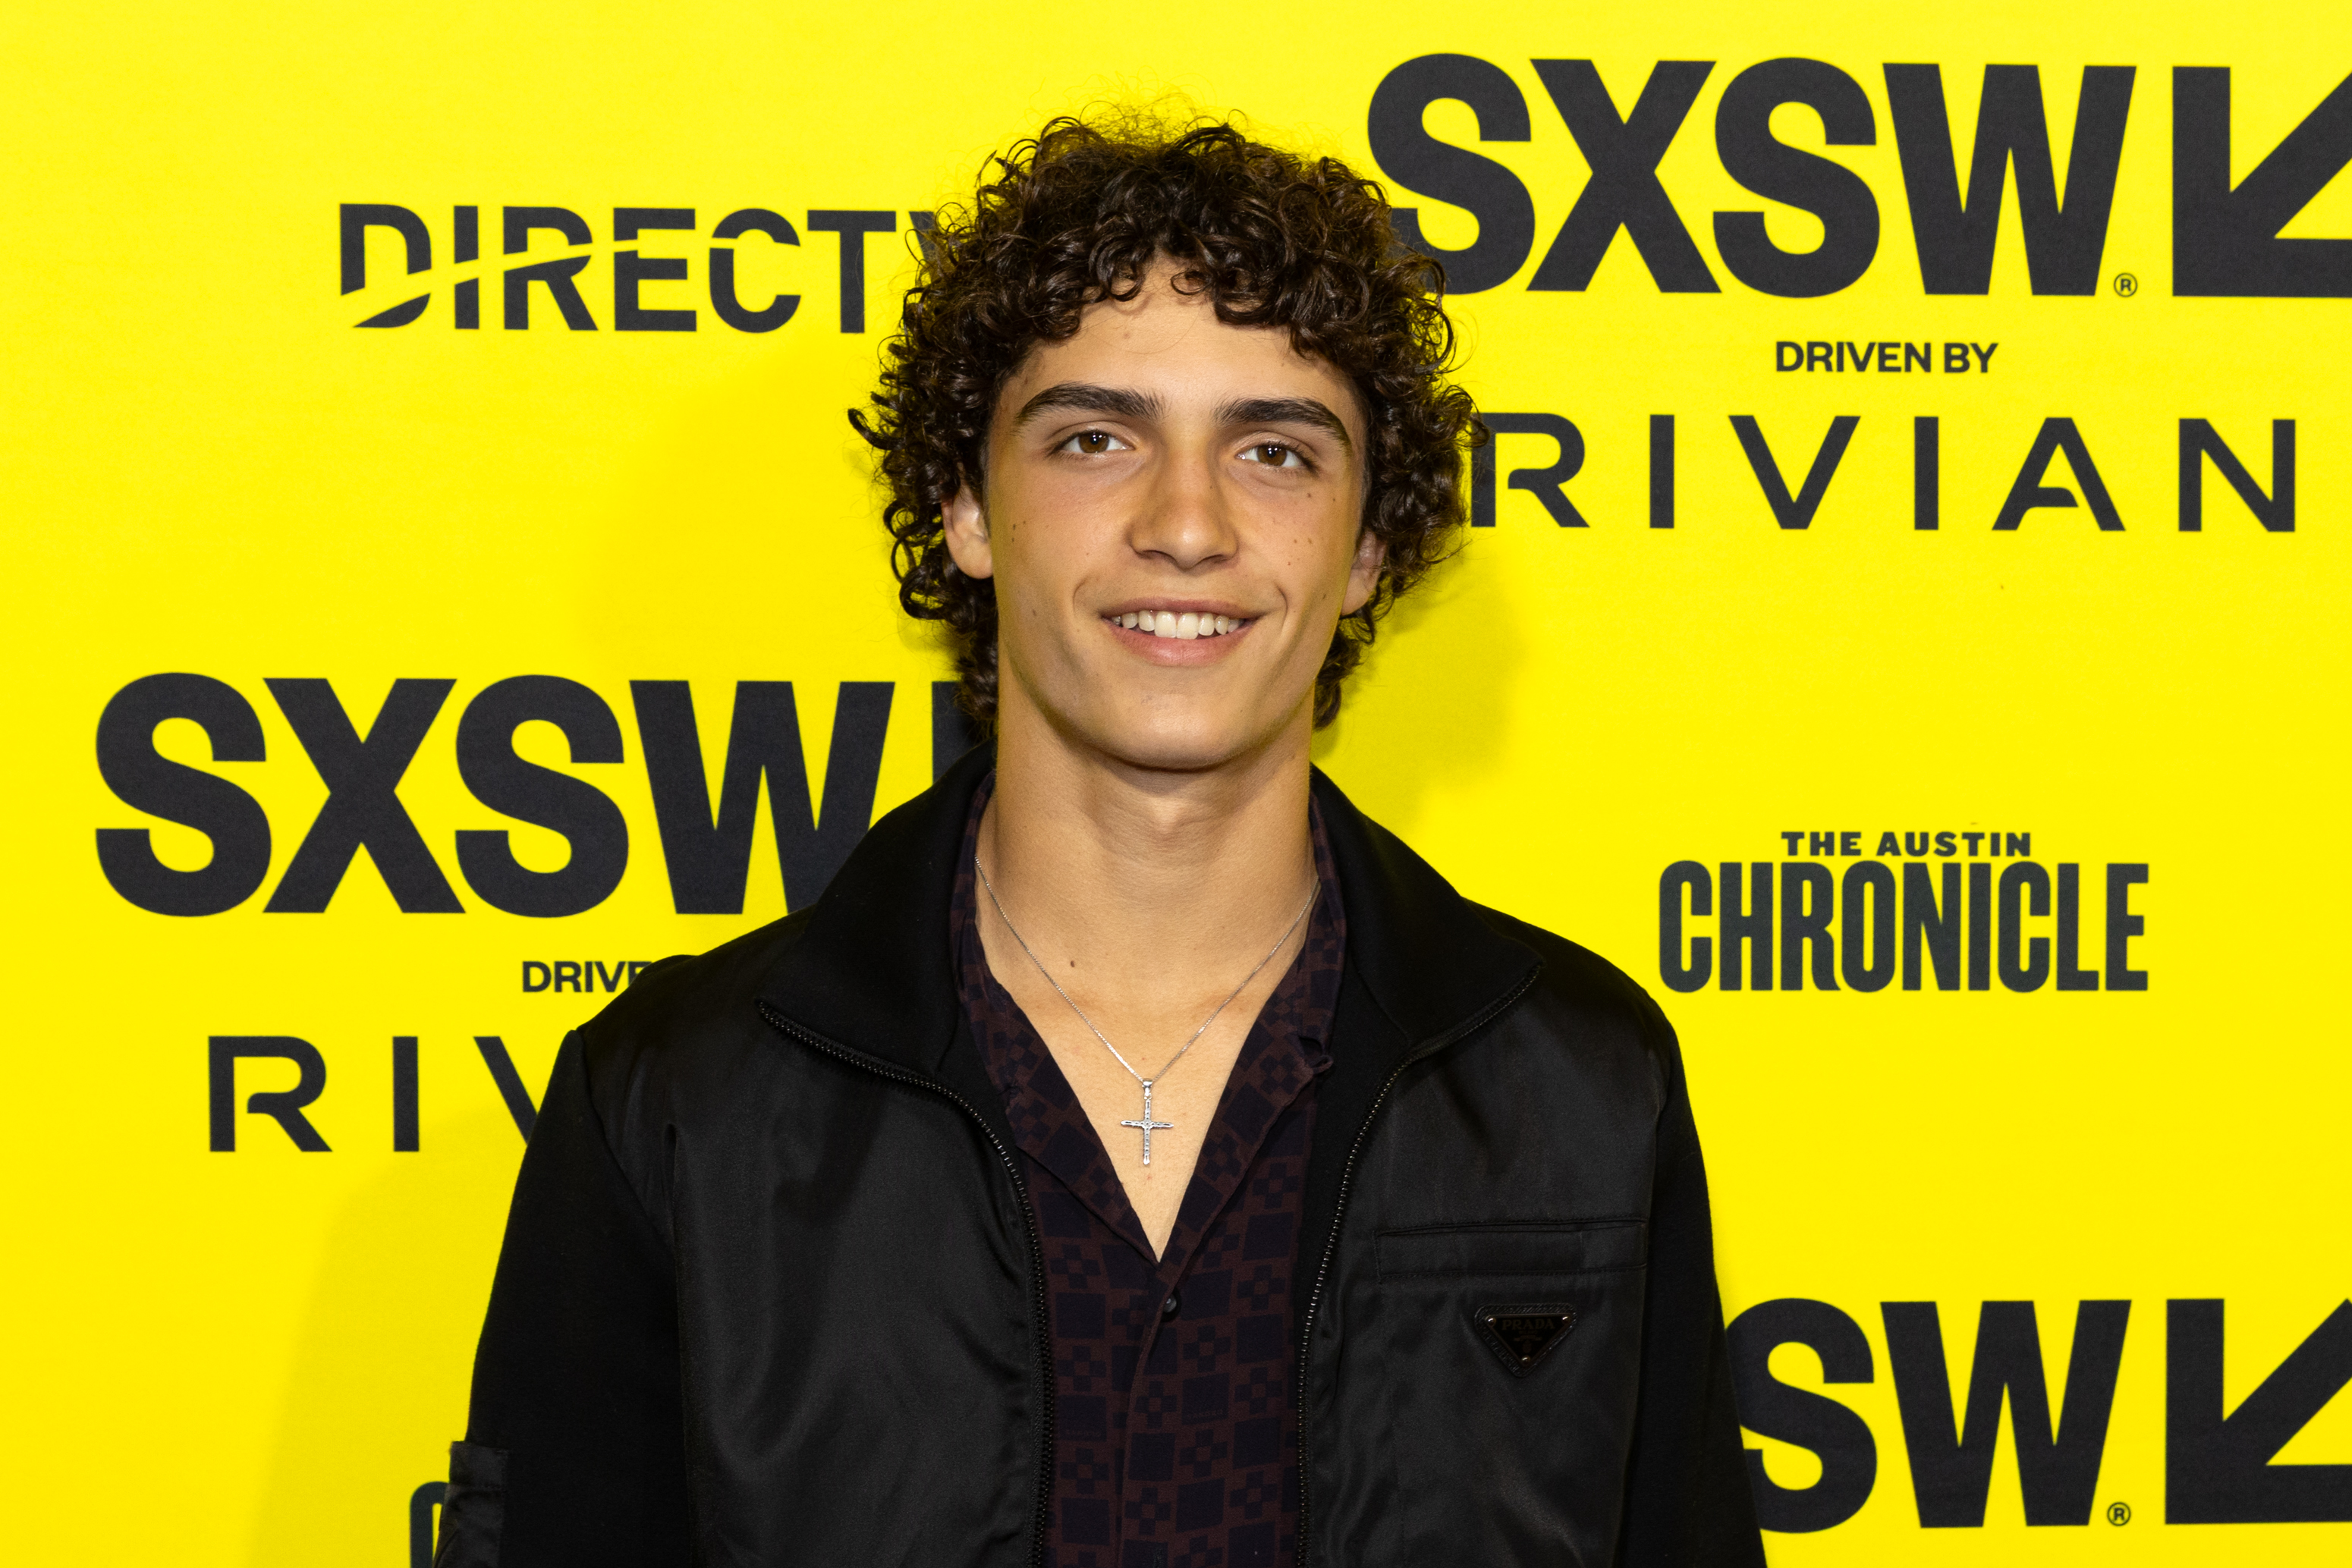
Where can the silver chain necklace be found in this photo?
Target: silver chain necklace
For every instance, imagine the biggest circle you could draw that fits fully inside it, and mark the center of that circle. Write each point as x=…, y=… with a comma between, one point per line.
x=1144, y=1124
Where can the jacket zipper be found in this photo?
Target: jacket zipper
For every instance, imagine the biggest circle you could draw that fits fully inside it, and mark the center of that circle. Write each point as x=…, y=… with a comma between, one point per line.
x=1029, y=1224
x=1339, y=1212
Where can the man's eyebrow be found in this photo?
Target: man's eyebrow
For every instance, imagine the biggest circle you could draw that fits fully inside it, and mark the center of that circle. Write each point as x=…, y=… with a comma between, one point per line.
x=1086, y=397
x=1287, y=411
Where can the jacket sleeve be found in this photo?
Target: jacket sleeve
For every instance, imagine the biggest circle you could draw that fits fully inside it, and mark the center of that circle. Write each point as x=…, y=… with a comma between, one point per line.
x=1687, y=1500
x=575, y=1451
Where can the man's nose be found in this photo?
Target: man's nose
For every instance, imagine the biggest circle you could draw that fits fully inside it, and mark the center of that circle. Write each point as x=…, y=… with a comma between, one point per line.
x=1187, y=517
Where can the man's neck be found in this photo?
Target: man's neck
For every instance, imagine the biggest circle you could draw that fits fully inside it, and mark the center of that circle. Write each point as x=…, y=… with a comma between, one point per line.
x=1144, y=890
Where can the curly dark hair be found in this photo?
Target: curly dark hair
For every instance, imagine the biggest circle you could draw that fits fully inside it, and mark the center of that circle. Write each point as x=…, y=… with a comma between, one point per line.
x=1080, y=214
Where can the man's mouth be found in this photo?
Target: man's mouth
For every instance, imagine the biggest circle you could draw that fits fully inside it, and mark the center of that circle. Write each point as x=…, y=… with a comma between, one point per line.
x=1184, y=627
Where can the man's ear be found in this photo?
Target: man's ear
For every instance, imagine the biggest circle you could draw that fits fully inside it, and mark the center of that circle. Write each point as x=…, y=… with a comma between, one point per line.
x=966, y=520
x=1364, y=573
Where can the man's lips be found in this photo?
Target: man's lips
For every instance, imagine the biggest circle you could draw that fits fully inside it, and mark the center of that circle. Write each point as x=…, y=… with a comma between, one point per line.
x=1178, y=625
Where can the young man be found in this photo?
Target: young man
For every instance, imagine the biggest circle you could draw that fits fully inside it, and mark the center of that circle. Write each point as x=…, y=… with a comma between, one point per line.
x=1135, y=1158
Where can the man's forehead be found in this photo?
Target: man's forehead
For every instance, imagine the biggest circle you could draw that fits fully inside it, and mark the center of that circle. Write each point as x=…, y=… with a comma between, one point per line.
x=1167, y=350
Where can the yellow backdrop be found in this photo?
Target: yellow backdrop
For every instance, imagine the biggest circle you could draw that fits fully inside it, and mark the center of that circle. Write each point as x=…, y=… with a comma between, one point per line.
x=237, y=455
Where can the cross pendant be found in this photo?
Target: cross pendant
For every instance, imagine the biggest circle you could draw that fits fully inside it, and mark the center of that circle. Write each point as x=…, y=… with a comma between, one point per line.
x=1146, y=1125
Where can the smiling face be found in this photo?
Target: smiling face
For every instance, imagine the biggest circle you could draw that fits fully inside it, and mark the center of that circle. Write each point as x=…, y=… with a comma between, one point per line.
x=1171, y=516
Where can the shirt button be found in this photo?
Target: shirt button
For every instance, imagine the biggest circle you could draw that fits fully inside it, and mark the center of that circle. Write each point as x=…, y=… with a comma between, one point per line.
x=1171, y=1306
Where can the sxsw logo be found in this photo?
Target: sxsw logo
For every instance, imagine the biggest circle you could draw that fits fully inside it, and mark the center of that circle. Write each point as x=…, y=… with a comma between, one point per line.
x=2220, y=1467
x=647, y=292
x=2225, y=236
x=705, y=833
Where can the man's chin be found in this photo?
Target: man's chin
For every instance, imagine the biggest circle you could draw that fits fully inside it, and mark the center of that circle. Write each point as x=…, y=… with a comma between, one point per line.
x=1199, y=740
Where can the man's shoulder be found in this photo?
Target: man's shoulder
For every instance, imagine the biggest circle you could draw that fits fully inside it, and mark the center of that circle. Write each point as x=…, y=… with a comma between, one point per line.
x=1571, y=970
x=1443, y=950
x=688, y=1005
x=1586, y=999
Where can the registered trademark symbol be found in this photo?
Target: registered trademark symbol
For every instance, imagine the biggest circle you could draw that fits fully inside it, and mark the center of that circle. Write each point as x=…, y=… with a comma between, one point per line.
x=2125, y=287
x=2119, y=1513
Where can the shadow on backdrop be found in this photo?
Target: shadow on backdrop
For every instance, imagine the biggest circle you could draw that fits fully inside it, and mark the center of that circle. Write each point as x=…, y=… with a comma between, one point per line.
x=379, y=1373
x=1429, y=707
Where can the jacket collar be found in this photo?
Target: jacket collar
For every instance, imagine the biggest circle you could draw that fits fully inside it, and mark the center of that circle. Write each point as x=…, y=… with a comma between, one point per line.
x=871, y=971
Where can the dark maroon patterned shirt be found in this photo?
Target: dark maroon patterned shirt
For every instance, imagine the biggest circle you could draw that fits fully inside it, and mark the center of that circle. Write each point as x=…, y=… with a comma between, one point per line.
x=1176, y=1439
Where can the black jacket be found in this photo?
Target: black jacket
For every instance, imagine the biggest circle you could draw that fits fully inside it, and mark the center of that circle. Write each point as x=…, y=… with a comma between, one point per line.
x=771, y=1292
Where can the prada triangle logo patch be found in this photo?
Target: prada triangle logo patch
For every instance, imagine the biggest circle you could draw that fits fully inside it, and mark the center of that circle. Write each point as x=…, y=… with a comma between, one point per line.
x=1522, y=1335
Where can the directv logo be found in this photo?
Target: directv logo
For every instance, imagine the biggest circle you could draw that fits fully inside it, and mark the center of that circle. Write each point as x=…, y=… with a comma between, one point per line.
x=556, y=278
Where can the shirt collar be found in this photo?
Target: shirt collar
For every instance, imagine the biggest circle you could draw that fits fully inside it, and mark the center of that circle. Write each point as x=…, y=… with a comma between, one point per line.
x=1287, y=1048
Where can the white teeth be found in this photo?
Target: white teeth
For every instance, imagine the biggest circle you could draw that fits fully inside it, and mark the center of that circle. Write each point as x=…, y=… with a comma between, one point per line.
x=1185, y=626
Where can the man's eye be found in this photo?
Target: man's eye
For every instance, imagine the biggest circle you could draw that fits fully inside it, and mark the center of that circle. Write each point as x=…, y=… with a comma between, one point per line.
x=1094, y=442
x=1274, y=454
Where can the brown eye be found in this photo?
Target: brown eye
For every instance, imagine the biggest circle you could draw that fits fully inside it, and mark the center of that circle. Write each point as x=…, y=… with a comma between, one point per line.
x=1274, y=454
x=1094, y=441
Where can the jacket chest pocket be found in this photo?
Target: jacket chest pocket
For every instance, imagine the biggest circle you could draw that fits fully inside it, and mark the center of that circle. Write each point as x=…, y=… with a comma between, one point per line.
x=1509, y=1364
x=1566, y=1251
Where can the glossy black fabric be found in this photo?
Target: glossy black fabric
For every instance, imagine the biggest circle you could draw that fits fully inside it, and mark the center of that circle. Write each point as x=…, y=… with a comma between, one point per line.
x=770, y=1293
